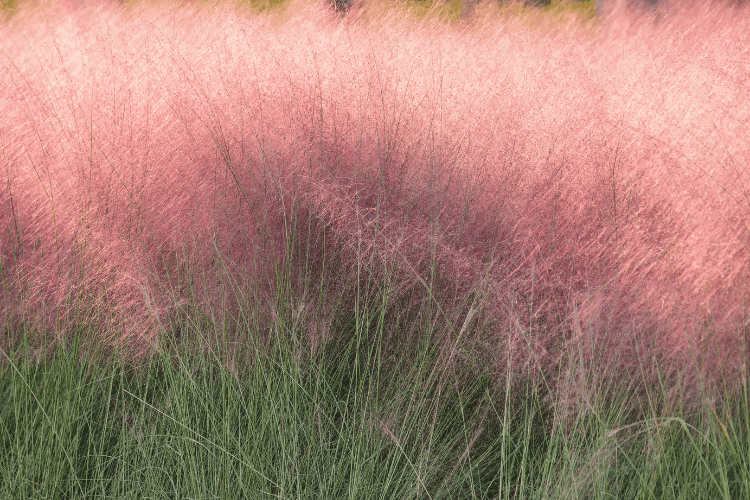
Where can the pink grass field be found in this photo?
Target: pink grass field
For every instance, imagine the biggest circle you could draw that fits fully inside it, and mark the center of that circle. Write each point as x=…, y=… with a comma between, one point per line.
x=588, y=183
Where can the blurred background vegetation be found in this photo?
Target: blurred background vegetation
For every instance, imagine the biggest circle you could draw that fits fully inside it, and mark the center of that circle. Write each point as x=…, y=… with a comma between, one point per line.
x=449, y=10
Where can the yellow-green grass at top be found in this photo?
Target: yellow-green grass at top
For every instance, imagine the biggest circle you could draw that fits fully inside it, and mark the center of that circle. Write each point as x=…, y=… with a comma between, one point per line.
x=8, y=5
x=446, y=10
x=454, y=10
x=559, y=13
x=457, y=10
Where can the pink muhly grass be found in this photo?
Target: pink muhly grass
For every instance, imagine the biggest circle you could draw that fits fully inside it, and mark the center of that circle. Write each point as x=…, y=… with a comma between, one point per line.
x=580, y=187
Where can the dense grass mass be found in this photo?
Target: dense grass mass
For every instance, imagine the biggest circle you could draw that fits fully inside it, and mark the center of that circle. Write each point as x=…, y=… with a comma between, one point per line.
x=339, y=425
x=391, y=250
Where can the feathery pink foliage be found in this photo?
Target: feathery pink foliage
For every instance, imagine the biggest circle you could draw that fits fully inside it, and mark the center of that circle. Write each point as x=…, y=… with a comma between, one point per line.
x=587, y=185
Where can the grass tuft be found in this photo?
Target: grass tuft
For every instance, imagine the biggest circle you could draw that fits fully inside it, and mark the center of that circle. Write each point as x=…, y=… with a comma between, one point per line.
x=402, y=251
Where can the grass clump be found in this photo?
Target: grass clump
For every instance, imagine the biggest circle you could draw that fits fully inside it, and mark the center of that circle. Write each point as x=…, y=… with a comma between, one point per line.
x=343, y=422
x=376, y=254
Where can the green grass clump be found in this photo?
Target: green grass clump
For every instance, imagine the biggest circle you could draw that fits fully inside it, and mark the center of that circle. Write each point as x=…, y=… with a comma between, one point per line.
x=345, y=421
